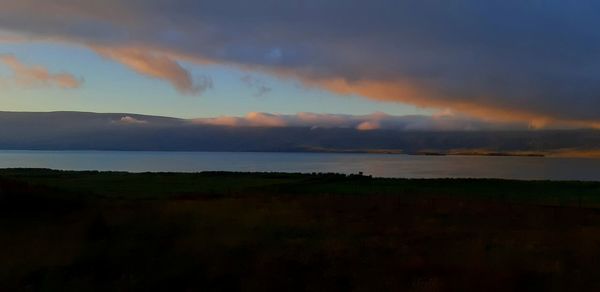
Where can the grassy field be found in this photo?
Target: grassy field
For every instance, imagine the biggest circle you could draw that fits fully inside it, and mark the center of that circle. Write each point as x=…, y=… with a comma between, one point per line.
x=113, y=231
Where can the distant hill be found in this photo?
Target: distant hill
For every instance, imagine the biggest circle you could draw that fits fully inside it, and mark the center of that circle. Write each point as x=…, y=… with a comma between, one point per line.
x=124, y=131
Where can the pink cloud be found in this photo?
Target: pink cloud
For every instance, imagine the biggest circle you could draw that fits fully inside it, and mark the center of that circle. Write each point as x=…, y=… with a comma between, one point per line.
x=372, y=121
x=403, y=62
x=368, y=125
x=267, y=120
x=157, y=65
x=25, y=75
x=252, y=119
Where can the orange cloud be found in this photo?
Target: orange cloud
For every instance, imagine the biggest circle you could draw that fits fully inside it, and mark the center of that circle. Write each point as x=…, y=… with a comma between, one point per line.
x=157, y=65
x=372, y=121
x=37, y=75
x=263, y=119
x=220, y=121
x=368, y=125
x=252, y=119
x=163, y=63
x=405, y=92
x=341, y=50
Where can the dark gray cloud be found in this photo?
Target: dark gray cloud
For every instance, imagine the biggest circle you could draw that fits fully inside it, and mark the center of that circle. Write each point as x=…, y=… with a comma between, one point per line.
x=522, y=60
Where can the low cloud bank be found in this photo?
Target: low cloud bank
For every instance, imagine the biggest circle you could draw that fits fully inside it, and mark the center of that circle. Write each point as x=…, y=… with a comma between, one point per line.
x=374, y=121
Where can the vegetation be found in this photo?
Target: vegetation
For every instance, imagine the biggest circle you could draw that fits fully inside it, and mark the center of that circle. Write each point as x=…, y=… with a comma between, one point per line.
x=216, y=231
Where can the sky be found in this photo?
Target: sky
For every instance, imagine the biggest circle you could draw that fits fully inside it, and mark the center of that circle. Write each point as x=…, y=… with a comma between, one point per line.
x=108, y=86
x=531, y=62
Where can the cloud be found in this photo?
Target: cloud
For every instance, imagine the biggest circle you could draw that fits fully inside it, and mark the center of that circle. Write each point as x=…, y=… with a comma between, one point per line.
x=158, y=65
x=368, y=125
x=261, y=88
x=9, y=38
x=500, y=60
x=25, y=75
x=379, y=120
x=131, y=121
x=252, y=119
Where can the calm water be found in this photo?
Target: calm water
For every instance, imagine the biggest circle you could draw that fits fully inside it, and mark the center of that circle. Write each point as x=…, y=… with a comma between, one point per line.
x=380, y=165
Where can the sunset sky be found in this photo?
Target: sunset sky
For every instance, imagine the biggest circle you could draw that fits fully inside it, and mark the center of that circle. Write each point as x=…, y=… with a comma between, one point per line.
x=532, y=62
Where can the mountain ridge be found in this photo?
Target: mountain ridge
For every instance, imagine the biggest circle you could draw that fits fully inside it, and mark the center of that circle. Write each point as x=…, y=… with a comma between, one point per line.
x=68, y=130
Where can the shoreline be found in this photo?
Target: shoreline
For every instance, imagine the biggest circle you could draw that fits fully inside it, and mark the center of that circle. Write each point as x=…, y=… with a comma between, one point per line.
x=560, y=153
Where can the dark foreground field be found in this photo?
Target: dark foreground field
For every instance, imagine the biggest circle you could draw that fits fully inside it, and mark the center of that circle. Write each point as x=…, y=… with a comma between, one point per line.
x=91, y=231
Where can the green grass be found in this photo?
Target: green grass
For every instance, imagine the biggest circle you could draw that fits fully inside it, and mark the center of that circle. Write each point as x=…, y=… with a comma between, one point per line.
x=99, y=231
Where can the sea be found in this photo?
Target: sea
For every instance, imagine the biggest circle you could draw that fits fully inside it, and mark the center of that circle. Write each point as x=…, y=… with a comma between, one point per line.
x=377, y=165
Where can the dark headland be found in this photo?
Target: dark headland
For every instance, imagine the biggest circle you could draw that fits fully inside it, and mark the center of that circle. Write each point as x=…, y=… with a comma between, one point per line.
x=219, y=231
x=115, y=131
